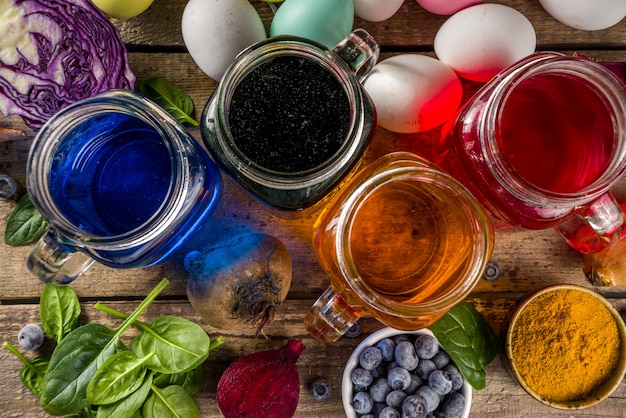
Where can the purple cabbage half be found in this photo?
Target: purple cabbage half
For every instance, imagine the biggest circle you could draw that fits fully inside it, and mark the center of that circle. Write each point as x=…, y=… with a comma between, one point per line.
x=55, y=52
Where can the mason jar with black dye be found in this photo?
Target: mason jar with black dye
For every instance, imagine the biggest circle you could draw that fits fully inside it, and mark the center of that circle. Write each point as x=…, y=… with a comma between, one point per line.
x=290, y=119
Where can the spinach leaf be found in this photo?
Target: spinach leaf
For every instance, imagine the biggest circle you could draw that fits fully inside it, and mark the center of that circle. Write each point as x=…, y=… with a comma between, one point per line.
x=172, y=401
x=32, y=372
x=129, y=406
x=116, y=378
x=84, y=413
x=178, y=345
x=469, y=341
x=191, y=381
x=76, y=359
x=59, y=310
x=72, y=365
x=176, y=102
x=25, y=224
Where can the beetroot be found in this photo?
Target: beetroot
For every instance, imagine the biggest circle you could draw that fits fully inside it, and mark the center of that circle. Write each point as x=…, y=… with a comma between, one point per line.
x=239, y=282
x=265, y=384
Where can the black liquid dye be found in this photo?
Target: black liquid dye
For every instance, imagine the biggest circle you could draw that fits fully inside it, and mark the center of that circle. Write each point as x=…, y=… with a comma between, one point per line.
x=289, y=115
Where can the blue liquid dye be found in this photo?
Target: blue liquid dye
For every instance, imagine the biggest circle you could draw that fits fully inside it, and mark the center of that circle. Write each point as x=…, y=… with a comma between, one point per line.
x=111, y=175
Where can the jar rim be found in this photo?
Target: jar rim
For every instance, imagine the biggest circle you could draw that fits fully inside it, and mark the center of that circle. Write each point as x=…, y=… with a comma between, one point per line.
x=608, y=88
x=285, y=45
x=476, y=217
x=49, y=137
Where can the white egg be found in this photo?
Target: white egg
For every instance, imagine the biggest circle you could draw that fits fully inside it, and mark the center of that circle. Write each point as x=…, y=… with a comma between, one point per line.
x=413, y=93
x=586, y=14
x=482, y=40
x=215, y=31
x=376, y=10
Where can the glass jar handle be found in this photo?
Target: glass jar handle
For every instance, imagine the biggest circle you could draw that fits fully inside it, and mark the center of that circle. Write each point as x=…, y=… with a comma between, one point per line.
x=53, y=261
x=598, y=226
x=330, y=317
x=360, y=50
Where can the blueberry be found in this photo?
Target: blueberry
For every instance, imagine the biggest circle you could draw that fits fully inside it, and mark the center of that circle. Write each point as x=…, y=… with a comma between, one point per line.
x=31, y=336
x=441, y=359
x=391, y=365
x=380, y=371
x=361, y=377
x=416, y=382
x=440, y=382
x=370, y=358
x=379, y=390
x=362, y=403
x=406, y=356
x=414, y=407
x=399, y=378
x=355, y=330
x=453, y=405
x=401, y=337
x=395, y=399
x=378, y=406
x=430, y=396
x=426, y=346
x=425, y=368
x=492, y=271
x=8, y=186
x=320, y=389
x=387, y=347
x=455, y=376
x=389, y=412
x=368, y=416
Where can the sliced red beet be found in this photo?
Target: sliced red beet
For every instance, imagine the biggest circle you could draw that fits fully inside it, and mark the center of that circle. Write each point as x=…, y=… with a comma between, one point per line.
x=265, y=384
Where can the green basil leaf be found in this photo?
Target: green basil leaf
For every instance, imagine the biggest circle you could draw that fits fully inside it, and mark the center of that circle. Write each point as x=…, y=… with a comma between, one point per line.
x=59, y=310
x=469, y=341
x=172, y=401
x=25, y=224
x=176, y=102
x=116, y=378
x=129, y=406
x=178, y=345
x=191, y=381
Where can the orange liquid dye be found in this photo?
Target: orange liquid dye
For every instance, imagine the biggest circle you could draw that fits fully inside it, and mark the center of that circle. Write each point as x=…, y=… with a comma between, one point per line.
x=410, y=243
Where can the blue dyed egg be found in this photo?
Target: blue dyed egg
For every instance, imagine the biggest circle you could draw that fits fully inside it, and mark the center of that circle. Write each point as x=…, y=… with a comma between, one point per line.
x=324, y=21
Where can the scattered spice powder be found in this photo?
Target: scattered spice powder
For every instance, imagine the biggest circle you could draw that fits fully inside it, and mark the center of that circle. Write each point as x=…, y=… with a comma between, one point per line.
x=565, y=344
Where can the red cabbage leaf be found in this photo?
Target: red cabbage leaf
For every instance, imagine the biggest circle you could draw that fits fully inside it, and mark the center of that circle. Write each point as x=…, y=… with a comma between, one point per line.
x=55, y=52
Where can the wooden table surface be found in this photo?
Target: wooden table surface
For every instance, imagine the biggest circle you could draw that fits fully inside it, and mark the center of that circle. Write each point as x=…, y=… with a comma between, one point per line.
x=528, y=260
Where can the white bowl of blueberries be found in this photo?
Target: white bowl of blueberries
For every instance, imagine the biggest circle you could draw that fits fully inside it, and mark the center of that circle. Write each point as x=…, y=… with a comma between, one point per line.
x=403, y=374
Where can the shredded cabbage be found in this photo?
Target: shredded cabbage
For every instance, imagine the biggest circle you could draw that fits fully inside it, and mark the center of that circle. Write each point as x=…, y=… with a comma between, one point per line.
x=55, y=52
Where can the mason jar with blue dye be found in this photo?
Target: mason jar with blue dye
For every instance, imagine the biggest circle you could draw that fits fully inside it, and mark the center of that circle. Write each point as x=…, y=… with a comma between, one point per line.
x=120, y=182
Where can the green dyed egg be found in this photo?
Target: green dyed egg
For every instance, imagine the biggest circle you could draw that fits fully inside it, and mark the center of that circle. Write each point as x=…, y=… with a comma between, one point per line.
x=324, y=21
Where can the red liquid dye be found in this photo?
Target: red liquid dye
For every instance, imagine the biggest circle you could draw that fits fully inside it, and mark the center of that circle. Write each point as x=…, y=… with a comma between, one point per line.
x=554, y=131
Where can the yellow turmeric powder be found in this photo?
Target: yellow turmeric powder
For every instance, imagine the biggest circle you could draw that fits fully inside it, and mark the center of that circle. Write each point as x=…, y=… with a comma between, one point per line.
x=565, y=344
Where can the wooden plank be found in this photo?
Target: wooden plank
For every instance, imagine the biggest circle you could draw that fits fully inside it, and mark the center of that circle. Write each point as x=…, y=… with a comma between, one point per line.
x=410, y=27
x=528, y=260
x=503, y=396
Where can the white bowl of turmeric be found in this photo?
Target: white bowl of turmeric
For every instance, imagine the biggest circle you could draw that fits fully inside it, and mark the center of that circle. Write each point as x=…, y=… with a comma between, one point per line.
x=565, y=346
